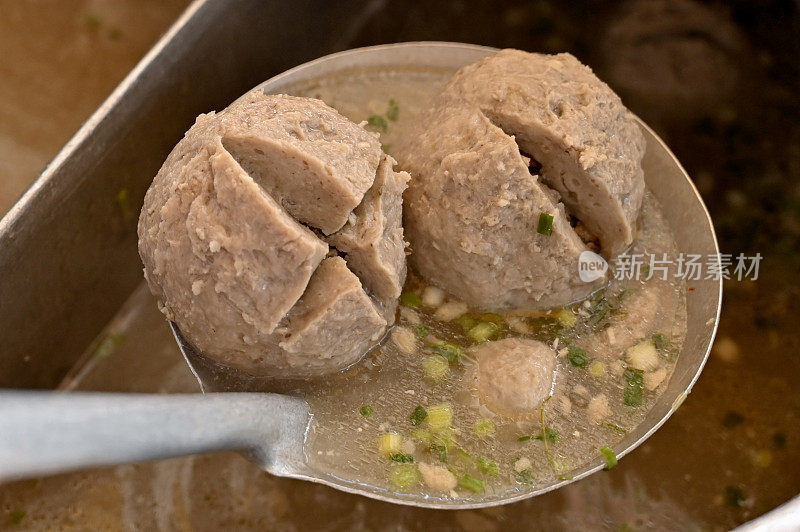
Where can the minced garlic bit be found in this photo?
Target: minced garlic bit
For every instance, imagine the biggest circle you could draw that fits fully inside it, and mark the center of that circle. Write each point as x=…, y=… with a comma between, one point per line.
x=410, y=315
x=653, y=379
x=407, y=446
x=598, y=408
x=565, y=405
x=405, y=340
x=437, y=477
x=522, y=464
x=518, y=325
x=617, y=368
x=432, y=297
x=451, y=310
x=643, y=356
x=197, y=287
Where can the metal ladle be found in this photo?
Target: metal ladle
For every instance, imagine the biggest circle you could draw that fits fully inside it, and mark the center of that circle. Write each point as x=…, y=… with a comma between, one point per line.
x=45, y=432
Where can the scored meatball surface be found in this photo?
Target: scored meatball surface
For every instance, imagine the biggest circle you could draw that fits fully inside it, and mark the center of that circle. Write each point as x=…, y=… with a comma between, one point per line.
x=587, y=143
x=232, y=229
x=510, y=138
x=514, y=375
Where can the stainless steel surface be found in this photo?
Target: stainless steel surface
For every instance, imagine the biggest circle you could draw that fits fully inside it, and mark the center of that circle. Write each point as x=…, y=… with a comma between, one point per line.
x=784, y=518
x=666, y=178
x=48, y=432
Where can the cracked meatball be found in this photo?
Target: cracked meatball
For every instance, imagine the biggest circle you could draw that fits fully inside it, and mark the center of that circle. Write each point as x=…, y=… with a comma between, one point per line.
x=233, y=237
x=511, y=139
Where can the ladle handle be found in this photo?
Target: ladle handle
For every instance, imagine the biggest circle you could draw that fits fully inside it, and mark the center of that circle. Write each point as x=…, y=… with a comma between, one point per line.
x=50, y=432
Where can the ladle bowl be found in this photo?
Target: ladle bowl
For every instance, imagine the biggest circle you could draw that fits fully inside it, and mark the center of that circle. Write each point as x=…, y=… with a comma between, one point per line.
x=101, y=429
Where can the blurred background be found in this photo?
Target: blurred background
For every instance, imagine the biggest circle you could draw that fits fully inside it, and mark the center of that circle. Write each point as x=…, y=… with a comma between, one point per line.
x=719, y=81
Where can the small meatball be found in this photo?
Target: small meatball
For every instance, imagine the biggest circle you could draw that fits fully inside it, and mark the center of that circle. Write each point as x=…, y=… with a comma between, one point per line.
x=515, y=375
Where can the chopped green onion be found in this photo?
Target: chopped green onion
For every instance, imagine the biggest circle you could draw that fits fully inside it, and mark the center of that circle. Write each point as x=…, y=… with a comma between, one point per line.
x=734, y=496
x=445, y=437
x=378, y=122
x=404, y=476
x=402, y=458
x=566, y=317
x=466, y=322
x=440, y=451
x=550, y=436
x=450, y=351
x=525, y=438
x=497, y=319
x=615, y=428
x=435, y=368
x=487, y=467
x=610, y=456
x=525, y=476
x=597, y=369
x=418, y=415
x=389, y=443
x=634, y=384
x=393, y=111
x=484, y=428
x=599, y=310
x=565, y=477
x=732, y=419
x=421, y=435
x=483, y=331
x=106, y=346
x=16, y=516
x=661, y=341
x=421, y=331
x=545, y=226
x=92, y=22
x=124, y=203
x=366, y=410
x=470, y=483
x=577, y=357
x=410, y=299
x=463, y=458
x=440, y=417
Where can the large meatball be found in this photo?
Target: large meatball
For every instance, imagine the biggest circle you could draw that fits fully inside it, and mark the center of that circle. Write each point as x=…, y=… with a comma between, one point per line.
x=515, y=375
x=511, y=138
x=233, y=237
